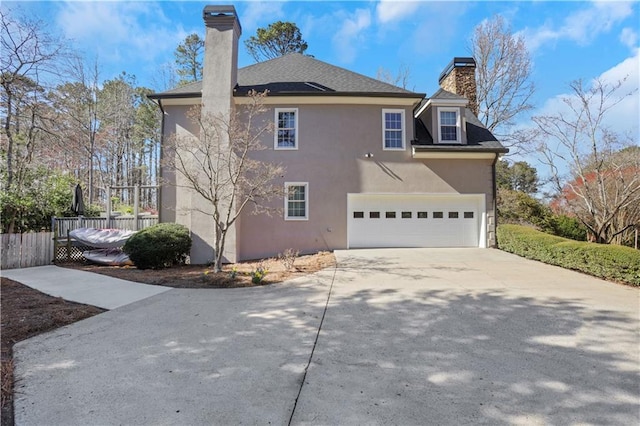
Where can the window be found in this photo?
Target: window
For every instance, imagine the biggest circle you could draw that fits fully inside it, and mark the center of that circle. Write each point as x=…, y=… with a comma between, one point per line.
x=437, y=215
x=453, y=215
x=286, y=134
x=358, y=215
x=406, y=215
x=448, y=125
x=422, y=215
x=393, y=129
x=390, y=215
x=374, y=215
x=296, y=201
x=468, y=215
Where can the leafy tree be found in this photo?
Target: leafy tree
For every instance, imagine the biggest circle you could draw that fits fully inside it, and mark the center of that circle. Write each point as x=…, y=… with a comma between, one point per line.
x=218, y=166
x=603, y=191
x=278, y=39
x=503, y=78
x=188, y=56
x=44, y=193
x=518, y=176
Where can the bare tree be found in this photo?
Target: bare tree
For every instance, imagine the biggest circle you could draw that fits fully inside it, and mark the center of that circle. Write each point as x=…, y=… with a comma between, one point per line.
x=29, y=55
x=226, y=174
x=401, y=79
x=77, y=124
x=503, y=78
x=603, y=188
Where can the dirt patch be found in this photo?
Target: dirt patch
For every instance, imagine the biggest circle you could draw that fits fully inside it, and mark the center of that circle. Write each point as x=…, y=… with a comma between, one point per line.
x=235, y=275
x=25, y=313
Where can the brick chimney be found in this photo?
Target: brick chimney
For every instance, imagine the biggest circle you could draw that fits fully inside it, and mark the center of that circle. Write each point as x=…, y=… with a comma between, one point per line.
x=460, y=78
x=219, y=77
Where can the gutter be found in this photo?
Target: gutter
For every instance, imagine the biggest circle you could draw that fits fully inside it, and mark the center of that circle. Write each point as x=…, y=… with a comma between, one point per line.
x=160, y=159
x=187, y=95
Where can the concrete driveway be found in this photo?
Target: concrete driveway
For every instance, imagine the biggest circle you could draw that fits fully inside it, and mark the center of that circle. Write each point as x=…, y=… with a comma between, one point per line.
x=414, y=336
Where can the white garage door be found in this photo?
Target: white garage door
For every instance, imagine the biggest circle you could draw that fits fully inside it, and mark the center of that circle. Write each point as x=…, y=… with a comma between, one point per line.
x=413, y=220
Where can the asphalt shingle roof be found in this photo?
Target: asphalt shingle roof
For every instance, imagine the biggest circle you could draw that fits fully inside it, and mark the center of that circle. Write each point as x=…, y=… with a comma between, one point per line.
x=299, y=74
x=479, y=138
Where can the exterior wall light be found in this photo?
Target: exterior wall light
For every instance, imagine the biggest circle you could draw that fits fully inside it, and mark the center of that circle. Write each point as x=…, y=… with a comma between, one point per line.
x=368, y=155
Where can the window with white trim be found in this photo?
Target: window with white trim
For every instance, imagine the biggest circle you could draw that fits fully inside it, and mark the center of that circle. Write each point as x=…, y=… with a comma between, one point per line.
x=449, y=125
x=296, y=201
x=286, y=132
x=393, y=129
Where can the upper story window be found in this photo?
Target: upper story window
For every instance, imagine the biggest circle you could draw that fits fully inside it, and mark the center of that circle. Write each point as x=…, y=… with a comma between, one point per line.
x=296, y=201
x=286, y=132
x=393, y=129
x=449, y=125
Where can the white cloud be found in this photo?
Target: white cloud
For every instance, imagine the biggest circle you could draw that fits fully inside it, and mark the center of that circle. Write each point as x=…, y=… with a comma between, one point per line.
x=582, y=26
x=260, y=13
x=349, y=36
x=395, y=10
x=629, y=37
x=624, y=116
x=117, y=32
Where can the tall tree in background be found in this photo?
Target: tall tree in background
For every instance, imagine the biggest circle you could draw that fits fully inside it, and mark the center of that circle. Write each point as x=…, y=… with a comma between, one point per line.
x=278, y=39
x=29, y=55
x=77, y=124
x=503, y=78
x=401, y=79
x=517, y=176
x=603, y=188
x=188, y=56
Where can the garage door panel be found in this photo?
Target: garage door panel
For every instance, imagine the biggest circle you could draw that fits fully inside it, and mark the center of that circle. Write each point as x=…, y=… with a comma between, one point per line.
x=407, y=220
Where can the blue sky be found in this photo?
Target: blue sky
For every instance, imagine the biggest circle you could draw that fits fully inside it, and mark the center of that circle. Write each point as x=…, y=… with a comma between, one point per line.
x=567, y=40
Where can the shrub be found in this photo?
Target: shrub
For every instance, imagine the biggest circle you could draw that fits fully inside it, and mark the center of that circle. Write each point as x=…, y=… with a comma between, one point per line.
x=159, y=246
x=288, y=258
x=611, y=262
x=567, y=227
x=258, y=275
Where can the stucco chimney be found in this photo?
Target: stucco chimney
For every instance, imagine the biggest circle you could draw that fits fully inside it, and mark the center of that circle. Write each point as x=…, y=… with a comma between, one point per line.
x=460, y=78
x=220, y=73
x=219, y=77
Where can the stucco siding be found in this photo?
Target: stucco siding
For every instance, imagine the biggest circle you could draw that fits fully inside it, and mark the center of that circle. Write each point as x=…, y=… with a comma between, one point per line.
x=333, y=141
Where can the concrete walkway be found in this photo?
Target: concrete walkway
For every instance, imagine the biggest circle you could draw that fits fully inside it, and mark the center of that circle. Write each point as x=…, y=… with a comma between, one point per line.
x=424, y=336
x=83, y=287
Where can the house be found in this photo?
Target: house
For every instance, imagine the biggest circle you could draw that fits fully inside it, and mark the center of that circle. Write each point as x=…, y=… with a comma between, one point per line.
x=368, y=164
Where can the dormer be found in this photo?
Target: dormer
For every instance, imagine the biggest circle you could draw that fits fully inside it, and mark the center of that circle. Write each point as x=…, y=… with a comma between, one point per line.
x=443, y=114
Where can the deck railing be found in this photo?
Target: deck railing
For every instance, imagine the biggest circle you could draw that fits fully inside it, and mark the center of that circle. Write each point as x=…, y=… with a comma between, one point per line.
x=66, y=249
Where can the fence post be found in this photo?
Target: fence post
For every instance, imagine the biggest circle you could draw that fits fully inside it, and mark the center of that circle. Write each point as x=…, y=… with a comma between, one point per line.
x=68, y=246
x=108, y=207
x=136, y=206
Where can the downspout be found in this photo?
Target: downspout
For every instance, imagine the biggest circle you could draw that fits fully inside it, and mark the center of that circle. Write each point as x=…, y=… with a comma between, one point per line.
x=495, y=201
x=160, y=162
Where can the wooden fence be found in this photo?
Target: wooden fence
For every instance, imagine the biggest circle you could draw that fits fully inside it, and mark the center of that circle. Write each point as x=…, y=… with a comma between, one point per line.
x=25, y=250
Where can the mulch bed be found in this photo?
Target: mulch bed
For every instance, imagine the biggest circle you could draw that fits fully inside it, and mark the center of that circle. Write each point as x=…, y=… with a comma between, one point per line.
x=25, y=313
x=199, y=276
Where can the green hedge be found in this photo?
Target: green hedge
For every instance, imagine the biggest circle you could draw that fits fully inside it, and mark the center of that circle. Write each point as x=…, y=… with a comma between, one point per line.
x=617, y=263
x=159, y=246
